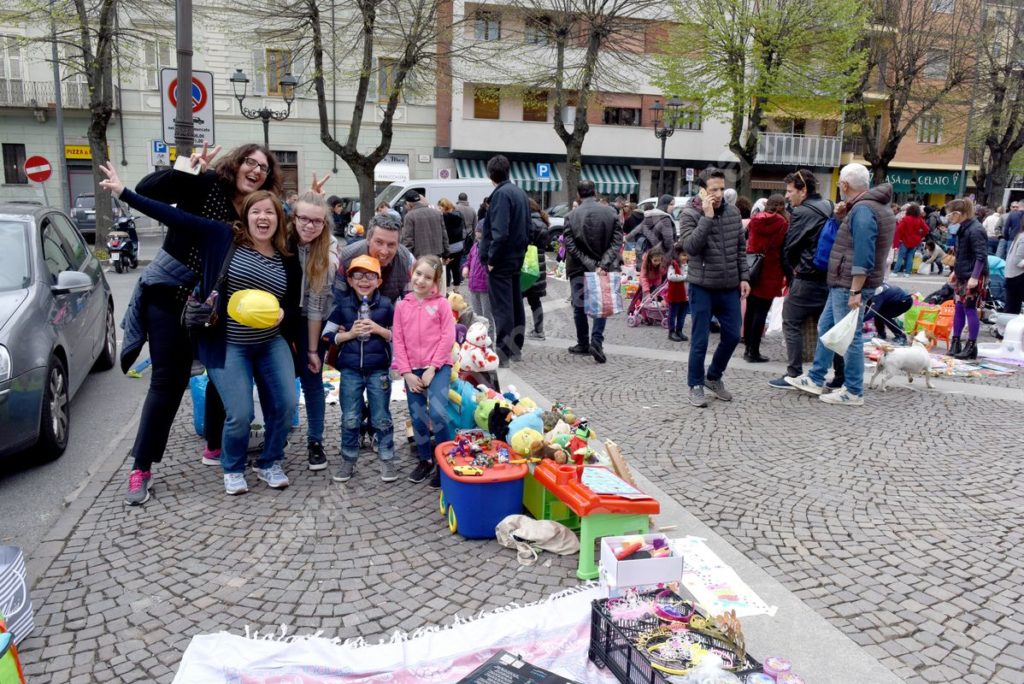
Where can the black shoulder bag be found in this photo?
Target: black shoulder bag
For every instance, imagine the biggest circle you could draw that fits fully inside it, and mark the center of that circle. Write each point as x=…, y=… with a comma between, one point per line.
x=196, y=315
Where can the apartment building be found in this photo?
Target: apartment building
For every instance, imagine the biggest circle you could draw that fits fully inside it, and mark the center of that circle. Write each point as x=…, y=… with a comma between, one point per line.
x=27, y=107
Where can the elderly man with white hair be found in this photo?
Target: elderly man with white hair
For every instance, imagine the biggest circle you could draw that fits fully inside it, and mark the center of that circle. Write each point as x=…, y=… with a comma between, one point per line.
x=856, y=264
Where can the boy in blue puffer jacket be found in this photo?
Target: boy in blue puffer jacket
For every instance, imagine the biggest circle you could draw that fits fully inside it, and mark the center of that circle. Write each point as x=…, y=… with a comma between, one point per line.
x=364, y=360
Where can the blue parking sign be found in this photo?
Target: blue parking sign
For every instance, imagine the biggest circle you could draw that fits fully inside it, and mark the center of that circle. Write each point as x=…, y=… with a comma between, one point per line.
x=159, y=147
x=543, y=171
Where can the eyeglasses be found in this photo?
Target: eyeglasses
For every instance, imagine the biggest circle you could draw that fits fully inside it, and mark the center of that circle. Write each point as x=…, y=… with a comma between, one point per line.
x=252, y=164
x=363, y=275
x=307, y=221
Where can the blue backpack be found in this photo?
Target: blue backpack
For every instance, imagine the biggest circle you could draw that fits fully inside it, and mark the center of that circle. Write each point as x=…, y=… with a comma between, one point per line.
x=826, y=238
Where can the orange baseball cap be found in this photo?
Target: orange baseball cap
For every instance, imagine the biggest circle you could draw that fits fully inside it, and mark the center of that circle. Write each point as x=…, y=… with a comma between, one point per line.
x=365, y=263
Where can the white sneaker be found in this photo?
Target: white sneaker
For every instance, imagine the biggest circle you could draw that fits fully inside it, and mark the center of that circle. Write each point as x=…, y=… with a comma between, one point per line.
x=805, y=383
x=274, y=476
x=842, y=396
x=234, y=483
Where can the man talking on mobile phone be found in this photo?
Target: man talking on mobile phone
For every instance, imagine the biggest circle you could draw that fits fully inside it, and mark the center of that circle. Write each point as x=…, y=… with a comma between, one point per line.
x=711, y=233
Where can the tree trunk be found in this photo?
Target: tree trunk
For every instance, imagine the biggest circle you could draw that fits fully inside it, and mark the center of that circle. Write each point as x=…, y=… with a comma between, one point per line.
x=879, y=170
x=364, y=177
x=744, y=181
x=98, y=147
x=993, y=183
x=573, y=166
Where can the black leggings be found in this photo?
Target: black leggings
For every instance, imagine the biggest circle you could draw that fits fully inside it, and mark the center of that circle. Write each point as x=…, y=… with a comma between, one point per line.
x=454, y=269
x=537, y=309
x=754, y=320
x=171, y=352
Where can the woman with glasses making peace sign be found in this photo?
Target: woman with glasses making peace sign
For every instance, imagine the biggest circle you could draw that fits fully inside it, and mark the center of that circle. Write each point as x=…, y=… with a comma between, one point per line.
x=318, y=253
x=159, y=297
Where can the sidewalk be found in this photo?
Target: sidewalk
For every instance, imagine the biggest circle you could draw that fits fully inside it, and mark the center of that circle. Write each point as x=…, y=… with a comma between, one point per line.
x=884, y=552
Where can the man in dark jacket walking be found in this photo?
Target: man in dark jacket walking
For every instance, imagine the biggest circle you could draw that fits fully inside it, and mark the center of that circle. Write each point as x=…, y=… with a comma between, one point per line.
x=808, y=291
x=506, y=236
x=593, y=240
x=423, y=228
x=711, y=232
x=468, y=218
x=857, y=263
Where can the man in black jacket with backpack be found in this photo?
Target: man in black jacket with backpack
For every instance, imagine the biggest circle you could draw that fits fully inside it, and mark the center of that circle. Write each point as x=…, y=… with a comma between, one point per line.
x=808, y=290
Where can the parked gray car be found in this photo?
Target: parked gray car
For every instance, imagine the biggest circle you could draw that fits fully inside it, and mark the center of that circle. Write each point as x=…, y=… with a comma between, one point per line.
x=84, y=214
x=56, y=325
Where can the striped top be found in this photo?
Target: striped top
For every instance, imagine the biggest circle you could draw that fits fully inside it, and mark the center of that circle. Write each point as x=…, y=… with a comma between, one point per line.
x=250, y=270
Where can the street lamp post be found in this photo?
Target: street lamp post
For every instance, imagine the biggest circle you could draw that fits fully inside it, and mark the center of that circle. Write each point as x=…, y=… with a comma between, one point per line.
x=664, y=127
x=239, y=81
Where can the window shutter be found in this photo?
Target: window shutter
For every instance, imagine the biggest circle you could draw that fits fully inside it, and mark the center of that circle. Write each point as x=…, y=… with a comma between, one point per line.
x=152, y=68
x=258, y=80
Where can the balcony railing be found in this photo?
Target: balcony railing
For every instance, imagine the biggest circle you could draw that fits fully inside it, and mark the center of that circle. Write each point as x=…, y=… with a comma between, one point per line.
x=791, y=149
x=18, y=93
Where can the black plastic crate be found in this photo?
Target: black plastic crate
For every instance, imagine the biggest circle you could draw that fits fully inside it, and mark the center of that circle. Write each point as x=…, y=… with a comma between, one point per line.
x=612, y=646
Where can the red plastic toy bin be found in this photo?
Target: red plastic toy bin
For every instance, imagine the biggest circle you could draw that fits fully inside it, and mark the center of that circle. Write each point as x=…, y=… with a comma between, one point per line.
x=474, y=504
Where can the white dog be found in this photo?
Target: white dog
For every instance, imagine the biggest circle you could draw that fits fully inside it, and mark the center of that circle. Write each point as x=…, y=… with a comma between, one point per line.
x=910, y=360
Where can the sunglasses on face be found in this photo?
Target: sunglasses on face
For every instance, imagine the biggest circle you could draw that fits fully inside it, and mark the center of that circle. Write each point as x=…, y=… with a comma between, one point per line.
x=253, y=164
x=363, y=275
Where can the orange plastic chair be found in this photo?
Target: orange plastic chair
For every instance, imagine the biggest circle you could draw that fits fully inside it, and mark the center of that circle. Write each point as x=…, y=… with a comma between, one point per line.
x=943, y=329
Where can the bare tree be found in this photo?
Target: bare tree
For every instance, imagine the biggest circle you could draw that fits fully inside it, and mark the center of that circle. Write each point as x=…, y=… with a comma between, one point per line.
x=741, y=59
x=1000, y=98
x=921, y=56
x=579, y=48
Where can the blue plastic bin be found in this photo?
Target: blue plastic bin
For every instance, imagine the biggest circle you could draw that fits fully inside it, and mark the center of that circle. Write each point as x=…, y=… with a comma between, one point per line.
x=474, y=505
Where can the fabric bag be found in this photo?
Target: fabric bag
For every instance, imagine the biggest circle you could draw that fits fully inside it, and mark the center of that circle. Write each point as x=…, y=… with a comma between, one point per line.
x=602, y=294
x=755, y=260
x=530, y=272
x=826, y=239
x=199, y=315
x=840, y=336
x=15, y=601
x=529, y=537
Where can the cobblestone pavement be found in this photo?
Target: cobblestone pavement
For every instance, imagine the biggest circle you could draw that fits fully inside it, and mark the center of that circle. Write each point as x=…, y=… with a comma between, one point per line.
x=908, y=544
x=900, y=521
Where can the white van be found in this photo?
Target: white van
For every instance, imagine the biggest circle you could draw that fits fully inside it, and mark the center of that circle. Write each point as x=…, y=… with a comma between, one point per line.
x=434, y=189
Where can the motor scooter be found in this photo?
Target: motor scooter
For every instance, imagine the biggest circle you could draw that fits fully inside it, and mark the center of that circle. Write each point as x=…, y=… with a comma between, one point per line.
x=123, y=244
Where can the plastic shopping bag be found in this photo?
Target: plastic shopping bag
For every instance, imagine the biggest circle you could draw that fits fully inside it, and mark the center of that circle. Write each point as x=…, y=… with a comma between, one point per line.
x=530, y=272
x=775, y=315
x=15, y=601
x=602, y=294
x=840, y=336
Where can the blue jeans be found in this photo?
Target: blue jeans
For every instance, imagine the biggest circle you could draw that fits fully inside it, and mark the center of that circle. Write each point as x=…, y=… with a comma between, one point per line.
x=377, y=385
x=677, y=316
x=905, y=260
x=837, y=306
x=270, y=365
x=313, y=389
x=430, y=409
x=725, y=306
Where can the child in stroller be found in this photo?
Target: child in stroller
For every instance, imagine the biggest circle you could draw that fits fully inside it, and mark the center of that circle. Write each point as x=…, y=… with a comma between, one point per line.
x=647, y=305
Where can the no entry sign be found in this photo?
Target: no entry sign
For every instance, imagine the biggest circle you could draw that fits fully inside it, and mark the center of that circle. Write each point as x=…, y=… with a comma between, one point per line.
x=37, y=169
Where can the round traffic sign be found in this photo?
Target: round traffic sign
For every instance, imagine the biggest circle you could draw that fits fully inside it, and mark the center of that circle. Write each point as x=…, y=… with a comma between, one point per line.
x=37, y=169
x=199, y=95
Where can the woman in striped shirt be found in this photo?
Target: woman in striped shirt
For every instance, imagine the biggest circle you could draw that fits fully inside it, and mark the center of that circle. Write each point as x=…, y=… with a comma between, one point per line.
x=234, y=354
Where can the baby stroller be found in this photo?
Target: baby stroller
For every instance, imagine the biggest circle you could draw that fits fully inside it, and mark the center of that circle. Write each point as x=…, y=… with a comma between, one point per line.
x=649, y=310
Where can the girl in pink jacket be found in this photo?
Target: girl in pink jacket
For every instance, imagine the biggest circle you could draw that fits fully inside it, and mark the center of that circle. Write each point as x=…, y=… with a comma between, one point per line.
x=423, y=337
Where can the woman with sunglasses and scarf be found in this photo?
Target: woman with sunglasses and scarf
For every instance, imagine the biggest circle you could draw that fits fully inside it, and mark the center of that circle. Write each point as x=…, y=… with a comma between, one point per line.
x=249, y=254
x=155, y=309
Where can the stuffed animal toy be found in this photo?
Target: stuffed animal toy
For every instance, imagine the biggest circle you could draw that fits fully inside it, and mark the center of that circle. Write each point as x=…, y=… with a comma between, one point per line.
x=542, y=449
x=561, y=428
x=531, y=421
x=522, y=441
x=497, y=421
x=550, y=421
x=579, y=447
x=482, y=413
x=476, y=354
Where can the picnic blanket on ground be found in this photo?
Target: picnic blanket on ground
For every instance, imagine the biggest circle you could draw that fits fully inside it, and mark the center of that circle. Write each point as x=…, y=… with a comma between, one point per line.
x=553, y=634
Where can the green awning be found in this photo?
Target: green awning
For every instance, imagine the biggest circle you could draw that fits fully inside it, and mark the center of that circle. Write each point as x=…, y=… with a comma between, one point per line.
x=526, y=175
x=899, y=179
x=611, y=179
x=940, y=182
x=530, y=178
x=471, y=168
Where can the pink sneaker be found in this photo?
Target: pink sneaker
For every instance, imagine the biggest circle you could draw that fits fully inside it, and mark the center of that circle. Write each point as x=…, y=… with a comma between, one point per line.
x=211, y=457
x=139, y=484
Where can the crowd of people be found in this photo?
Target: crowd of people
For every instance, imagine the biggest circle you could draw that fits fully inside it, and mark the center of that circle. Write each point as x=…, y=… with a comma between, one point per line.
x=376, y=308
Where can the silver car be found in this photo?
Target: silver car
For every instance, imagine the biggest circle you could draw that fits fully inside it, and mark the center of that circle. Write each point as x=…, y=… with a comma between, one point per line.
x=56, y=325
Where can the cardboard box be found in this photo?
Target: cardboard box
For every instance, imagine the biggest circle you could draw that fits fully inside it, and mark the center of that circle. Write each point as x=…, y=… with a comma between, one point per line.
x=643, y=573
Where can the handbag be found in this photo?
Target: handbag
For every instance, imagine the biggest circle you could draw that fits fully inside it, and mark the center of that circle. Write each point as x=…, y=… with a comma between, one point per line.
x=602, y=294
x=200, y=315
x=528, y=537
x=530, y=272
x=755, y=261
